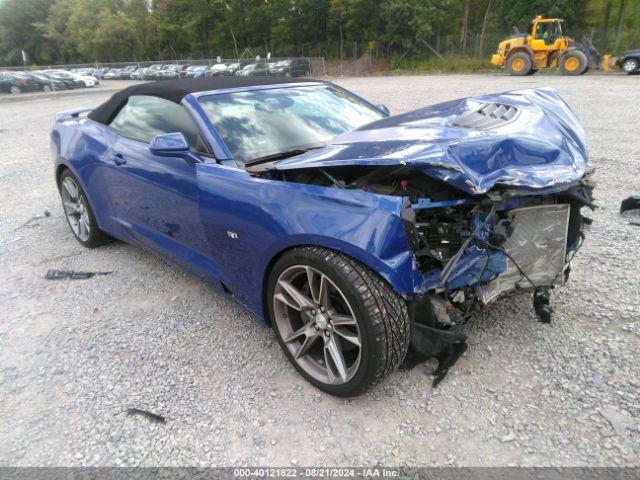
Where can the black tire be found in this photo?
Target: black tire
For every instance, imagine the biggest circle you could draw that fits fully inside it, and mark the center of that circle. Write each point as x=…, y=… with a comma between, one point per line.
x=96, y=236
x=571, y=58
x=382, y=316
x=519, y=64
x=532, y=72
x=630, y=66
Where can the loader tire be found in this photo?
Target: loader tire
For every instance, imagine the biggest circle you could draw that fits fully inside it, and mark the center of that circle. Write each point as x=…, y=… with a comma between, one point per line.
x=519, y=64
x=574, y=62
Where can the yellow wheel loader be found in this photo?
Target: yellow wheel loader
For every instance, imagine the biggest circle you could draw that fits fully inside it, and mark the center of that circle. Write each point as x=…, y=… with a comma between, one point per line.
x=545, y=46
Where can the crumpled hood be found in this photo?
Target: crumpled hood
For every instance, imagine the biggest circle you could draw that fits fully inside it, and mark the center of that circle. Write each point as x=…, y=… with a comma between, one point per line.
x=542, y=144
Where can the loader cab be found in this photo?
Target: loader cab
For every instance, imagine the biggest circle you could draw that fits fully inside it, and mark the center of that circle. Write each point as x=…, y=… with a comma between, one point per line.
x=547, y=34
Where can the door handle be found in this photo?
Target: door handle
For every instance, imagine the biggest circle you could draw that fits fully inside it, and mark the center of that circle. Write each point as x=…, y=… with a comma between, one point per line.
x=118, y=159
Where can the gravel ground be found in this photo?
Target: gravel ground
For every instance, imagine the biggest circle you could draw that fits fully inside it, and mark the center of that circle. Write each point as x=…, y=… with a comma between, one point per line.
x=74, y=355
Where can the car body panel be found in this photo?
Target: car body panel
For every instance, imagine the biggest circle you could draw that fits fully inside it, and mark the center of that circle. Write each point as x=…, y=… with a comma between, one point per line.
x=543, y=146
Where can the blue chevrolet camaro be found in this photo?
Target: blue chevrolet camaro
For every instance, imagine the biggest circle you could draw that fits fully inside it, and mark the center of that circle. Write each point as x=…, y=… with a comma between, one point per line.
x=363, y=239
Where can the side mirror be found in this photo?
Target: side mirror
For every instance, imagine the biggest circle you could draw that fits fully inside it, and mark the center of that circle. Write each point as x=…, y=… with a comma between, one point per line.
x=383, y=109
x=169, y=145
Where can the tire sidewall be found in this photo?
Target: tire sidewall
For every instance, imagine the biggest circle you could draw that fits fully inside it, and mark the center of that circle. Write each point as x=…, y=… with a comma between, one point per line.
x=368, y=363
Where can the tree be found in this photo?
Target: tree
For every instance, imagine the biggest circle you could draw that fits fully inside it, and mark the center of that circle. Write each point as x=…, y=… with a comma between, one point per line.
x=623, y=4
x=17, y=32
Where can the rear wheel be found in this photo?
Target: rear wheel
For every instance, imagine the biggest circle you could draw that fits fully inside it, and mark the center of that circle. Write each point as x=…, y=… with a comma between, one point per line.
x=341, y=325
x=15, y=90
x=519, y=64
x=630, y=65
x=574, y=62
x=79, y=213
x=46, y=88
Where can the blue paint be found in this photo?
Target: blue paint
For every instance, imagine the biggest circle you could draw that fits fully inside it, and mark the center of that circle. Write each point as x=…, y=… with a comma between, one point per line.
x=543, y=146
x=215, y=220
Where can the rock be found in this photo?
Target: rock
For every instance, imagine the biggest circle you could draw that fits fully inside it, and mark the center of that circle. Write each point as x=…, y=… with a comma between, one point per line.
x=619, y=421
x=510, y=437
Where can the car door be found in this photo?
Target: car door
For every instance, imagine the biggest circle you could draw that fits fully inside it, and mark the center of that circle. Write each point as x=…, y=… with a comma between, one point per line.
x=155, y=198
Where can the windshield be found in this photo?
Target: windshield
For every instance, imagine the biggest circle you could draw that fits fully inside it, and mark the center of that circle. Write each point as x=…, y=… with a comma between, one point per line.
x=263, y=123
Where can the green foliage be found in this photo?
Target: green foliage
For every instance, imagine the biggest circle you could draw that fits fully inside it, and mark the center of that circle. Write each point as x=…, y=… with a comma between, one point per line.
x=450, y=64
x=406, y=31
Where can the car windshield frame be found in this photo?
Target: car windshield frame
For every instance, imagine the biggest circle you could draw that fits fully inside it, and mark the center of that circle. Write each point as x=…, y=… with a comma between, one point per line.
x=243, y=159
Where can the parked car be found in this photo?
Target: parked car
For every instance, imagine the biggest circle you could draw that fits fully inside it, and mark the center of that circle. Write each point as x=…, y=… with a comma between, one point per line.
x=113, y=74
x=100, y=72
x=53, y=83
x=58, y=82
x=81, y=80
x=150, y=72
x=127, y=71
x=356, y=235
x=630, y=61
x=293, y=67
x=137, y=74
x=44, y=84
x=185, y=71
x=253, y=70
x=217, y=70
x=92, y=72
x=198, y=72
x=66, y=77
x=171, y=72
x=232, y=68
x=19, y=82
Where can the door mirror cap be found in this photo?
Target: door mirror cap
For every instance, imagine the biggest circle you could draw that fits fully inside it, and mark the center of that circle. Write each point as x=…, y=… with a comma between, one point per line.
x=383, y=109
x=169, y=145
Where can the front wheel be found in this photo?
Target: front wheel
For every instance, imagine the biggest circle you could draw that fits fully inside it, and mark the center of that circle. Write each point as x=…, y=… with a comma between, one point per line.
x=79, y=213
x=519, y=64
x=340, y=324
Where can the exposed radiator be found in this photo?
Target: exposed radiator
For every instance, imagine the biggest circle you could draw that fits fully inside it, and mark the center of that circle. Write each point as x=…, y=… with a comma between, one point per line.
x=538, y=245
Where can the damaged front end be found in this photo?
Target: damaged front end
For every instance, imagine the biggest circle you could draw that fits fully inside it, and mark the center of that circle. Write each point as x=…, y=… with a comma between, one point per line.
x=492, y=188
x=474, y=253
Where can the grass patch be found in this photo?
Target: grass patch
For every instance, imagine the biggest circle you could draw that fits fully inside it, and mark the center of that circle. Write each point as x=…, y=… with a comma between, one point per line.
x=455, y=64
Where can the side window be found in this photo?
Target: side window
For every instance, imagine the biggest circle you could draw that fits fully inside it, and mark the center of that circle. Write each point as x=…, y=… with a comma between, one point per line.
x=144, y=117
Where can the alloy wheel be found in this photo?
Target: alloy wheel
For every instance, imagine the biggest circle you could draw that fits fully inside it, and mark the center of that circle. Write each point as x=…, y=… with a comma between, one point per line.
x=317, y=325
x=75, y=209
x=630, y=66
x=15, y=90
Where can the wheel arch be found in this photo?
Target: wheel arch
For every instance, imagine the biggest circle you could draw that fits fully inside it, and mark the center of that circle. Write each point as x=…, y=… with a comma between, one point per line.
x=397, y=278
x=521, y=48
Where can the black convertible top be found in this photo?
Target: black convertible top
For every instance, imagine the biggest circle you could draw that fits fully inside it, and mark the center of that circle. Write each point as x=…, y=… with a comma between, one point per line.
x=176, y=90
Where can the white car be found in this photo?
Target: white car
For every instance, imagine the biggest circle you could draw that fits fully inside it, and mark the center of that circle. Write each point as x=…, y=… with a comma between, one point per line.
x=88, y=80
